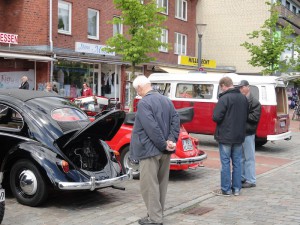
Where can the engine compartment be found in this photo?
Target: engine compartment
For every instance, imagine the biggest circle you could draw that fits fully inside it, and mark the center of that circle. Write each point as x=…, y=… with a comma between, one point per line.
x=88, y=154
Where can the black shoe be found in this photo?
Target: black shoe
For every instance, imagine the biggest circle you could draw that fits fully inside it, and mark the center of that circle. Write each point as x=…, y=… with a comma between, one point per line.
x=146, y=220
x=248, y=185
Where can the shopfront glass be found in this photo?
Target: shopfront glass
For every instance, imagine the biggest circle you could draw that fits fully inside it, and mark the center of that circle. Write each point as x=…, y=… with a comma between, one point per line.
x=102, y=78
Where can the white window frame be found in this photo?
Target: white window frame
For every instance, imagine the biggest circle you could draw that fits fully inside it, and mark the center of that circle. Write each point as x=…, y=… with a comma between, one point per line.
x=165, y=4
x=69, y=6
x=164, y=39
x=97, y=24
x=180, y=48
x=119, y=25
x=181, y=9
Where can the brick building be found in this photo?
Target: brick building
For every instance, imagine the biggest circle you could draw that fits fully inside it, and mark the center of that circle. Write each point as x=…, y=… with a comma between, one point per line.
x=61, y=41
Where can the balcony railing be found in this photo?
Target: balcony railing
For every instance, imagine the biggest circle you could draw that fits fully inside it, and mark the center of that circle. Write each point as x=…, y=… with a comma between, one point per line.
x=287, y=16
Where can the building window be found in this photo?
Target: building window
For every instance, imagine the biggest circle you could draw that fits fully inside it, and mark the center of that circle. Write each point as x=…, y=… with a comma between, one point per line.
x=180, y=44
x=117, y=28
x=164, y=39
x=163, y=4
x=287, y=5
x=181, y=9
x=64, y=17
x=294, y=9
x=93, y=24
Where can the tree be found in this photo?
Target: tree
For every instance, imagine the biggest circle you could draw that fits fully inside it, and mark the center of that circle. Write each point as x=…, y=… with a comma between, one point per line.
x=143, y=25
x=274, y=39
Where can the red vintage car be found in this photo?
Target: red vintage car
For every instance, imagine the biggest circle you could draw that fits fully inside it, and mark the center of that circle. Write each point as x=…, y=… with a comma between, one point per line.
x=187, y=154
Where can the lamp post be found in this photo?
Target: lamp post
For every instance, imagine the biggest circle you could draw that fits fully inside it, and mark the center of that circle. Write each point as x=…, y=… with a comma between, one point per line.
x=200, y=30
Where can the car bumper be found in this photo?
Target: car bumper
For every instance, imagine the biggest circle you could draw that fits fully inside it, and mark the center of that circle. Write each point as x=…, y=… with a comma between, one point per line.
x=93, y=184
x=181, y=161
x=277, y=137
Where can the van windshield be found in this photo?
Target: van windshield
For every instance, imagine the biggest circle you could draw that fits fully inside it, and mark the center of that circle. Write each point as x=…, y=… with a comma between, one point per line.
x=162, y=88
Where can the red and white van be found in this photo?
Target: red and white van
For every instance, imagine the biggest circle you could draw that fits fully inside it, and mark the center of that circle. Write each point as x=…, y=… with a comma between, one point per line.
x=201, y=91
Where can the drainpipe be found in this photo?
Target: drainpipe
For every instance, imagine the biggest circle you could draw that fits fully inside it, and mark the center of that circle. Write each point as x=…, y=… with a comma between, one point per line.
x=50, y=39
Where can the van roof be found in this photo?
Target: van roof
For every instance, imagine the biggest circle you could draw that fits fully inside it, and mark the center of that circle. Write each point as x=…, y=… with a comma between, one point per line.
x=213, y=77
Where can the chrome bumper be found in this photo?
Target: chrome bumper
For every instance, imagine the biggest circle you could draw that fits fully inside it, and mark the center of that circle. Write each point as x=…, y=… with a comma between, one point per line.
x=277, y=137
x=180, y=161
x=93, y=184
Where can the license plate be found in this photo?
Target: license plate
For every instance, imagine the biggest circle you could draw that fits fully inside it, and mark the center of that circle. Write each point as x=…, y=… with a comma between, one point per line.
x=282, y=123
x=187, y=145
x=2, y=195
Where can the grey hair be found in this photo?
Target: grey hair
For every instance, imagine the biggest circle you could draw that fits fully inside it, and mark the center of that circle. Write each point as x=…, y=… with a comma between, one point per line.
x=141, y=81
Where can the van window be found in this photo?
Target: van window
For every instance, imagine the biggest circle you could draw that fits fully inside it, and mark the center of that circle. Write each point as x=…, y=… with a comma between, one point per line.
x=254, y=91
x=10, y=118
x=201, y=91
x=162, y=88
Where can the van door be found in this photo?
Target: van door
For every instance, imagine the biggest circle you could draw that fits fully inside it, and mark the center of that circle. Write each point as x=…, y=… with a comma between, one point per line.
x=283, y=121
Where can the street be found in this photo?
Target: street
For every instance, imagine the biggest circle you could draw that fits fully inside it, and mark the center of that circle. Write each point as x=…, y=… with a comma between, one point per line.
x=275, y=200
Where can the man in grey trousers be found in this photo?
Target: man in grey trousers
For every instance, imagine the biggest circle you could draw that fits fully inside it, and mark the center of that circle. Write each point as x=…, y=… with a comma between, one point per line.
x=153, y=140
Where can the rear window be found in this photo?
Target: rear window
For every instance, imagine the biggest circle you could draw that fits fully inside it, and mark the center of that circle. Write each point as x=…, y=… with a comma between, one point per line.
x=68, y=114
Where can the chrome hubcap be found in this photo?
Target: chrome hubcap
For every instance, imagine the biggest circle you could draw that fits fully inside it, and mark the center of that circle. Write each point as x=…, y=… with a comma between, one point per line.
x=28, y=182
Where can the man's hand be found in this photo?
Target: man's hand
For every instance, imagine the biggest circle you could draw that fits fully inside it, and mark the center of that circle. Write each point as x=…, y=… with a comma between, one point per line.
x=171, y=146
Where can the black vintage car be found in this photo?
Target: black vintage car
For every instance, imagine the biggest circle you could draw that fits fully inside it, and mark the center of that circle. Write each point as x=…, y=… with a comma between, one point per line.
x=47, y=142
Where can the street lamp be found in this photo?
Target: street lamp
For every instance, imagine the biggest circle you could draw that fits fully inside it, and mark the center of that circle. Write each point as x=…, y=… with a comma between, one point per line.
x=200, y=30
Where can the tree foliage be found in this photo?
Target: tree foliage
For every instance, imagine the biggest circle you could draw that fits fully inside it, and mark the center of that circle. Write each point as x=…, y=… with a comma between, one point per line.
x=272, y=41
x=143, y=29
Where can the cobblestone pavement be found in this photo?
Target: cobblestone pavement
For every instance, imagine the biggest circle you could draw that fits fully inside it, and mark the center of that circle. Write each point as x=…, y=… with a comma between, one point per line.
x=275, y=200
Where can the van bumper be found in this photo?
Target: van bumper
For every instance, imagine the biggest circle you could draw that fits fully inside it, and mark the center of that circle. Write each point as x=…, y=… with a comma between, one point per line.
x=277, y=137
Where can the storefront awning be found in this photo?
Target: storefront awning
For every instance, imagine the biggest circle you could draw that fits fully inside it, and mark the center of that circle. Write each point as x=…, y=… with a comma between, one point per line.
x=25, y=56
x=174, y=70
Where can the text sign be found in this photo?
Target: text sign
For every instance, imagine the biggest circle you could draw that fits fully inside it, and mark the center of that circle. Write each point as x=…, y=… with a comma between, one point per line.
x=8, y=38
x=92, y=48
x=193, y=61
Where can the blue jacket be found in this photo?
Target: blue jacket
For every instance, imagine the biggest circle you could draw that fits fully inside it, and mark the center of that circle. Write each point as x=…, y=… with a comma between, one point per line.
x=156, y=122
x=230, y=114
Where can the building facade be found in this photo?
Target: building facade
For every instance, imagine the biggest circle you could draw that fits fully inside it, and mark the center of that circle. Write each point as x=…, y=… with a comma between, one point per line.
x=62, y=42
x=229, y=22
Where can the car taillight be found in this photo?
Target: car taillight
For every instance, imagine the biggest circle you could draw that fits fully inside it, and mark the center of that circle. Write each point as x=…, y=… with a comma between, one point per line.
x=65, y=166
x=275, y=125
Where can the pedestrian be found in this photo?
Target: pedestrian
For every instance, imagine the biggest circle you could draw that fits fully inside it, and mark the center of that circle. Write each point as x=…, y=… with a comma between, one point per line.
x=86, y=90
x=24, y=83
x=153, y=140
x=48, y=87
x=248, y=154
x=55, y=88
x=230, y=114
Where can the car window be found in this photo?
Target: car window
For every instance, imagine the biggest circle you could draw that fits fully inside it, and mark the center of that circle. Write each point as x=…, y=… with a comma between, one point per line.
x=10, y=118
x=68, y=114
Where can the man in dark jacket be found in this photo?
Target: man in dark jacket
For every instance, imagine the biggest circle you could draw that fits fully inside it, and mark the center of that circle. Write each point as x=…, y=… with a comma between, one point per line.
x=248, y=156
x=24, y=83
x=153, y=139
x=230, y=114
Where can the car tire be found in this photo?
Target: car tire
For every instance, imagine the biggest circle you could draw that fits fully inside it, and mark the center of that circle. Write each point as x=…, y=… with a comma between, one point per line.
x=126, y=163
x=2, y=210
x=33, y=190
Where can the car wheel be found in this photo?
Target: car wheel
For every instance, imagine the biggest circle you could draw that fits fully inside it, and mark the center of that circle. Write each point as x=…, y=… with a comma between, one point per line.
x=126, y=163
x=27, y=183
x=2, y=210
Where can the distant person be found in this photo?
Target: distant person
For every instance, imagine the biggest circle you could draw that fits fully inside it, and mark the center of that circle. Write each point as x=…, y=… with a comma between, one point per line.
x=153, y=140
x=48, y=87
x=248, y=155
x=230, y=114
x=24, y=83
x=55, y=88
x=86, y=90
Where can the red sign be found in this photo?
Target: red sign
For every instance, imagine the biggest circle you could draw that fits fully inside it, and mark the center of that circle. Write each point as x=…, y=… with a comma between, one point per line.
x=201, y=69
x=8, y=38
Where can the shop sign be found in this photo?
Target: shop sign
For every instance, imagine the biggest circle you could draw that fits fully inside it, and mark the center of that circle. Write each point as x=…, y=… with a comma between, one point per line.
x=92, y=49
x=193, y=61
x=8, y=38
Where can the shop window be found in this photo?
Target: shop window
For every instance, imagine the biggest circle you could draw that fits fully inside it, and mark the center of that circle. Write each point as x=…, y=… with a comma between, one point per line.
x=64, y=17
x=164, y=39
x=163, y=4
x=93, y=24
x=181, y=9
x=180, y=44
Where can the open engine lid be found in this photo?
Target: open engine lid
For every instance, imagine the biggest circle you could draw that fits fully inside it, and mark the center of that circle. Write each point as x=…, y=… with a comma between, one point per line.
x=104, y=127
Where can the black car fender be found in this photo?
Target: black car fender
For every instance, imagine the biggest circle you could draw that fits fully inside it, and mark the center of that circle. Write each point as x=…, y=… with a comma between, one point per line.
x=44, y=158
